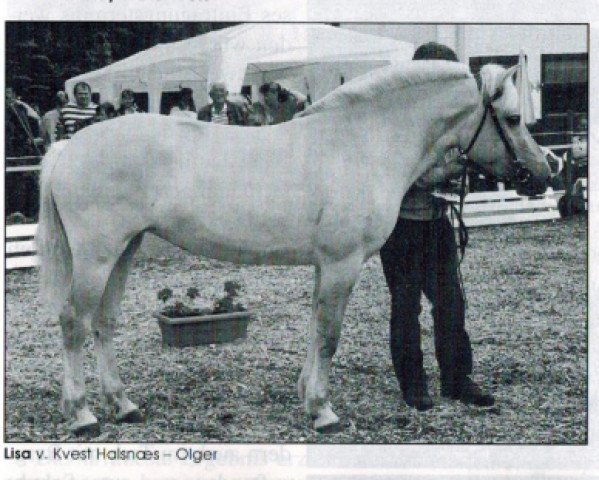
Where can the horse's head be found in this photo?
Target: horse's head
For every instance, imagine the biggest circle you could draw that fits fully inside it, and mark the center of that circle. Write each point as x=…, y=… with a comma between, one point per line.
x=502, y=145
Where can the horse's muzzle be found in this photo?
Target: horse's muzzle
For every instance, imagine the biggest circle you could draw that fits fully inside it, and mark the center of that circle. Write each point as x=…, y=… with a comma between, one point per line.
x=527, y=184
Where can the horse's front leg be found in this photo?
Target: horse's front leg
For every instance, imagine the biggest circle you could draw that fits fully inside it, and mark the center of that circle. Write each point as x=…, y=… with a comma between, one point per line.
x=307, y=368
x=334, y=283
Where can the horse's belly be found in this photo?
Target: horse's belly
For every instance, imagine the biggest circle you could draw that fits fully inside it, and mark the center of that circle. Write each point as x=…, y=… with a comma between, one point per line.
x=241, y=243
x=289, y=256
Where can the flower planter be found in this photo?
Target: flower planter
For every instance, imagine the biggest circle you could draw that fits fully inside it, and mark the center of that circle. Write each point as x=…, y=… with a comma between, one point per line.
x=203, y=329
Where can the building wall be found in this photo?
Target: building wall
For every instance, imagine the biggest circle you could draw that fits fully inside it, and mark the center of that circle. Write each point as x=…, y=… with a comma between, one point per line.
x=485, y=40
x=413, y=33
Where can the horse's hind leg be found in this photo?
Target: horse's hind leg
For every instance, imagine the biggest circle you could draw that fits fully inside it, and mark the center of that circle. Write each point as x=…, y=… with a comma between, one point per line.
x=75, y=329
x=333, y=288
x=104, y=325
x=75, y=320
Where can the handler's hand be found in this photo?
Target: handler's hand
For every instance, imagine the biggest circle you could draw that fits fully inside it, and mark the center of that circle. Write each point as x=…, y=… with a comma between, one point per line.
x=454, y=167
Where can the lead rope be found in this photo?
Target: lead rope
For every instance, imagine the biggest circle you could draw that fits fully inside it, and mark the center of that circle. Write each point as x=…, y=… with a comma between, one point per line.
x=458, y=214
x=462, y=230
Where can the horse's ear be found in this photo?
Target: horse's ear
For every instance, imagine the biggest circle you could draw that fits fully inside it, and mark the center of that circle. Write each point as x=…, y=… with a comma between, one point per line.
x=492, y=90
x=507, y=74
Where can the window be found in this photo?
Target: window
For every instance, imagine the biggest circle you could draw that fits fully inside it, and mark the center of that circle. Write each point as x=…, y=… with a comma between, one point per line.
x=167, y=101
x=141, y=100
x=564, y=79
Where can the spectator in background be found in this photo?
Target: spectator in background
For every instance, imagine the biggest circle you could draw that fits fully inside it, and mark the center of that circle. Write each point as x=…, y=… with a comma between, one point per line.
x=128, y=104
x=23, y=126
x=105, y=111
x=77, y=115
x=279, y=106
x=51, y=119
x=580, y=152
x=221, y=111
x=185, y=106
x=578, y=156
x=22, y=133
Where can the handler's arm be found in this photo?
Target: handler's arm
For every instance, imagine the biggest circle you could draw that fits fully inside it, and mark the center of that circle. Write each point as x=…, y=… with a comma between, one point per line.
x=450, y=167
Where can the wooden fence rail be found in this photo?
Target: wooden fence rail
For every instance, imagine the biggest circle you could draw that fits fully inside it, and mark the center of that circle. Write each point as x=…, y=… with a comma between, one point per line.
x=503, y=207
x=20, y=246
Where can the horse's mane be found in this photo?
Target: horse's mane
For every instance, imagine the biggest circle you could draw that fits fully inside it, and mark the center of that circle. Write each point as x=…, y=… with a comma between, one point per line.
x=394, y=77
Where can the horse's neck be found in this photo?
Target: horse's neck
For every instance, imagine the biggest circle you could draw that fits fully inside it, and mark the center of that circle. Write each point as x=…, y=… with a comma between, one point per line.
x=427, y=126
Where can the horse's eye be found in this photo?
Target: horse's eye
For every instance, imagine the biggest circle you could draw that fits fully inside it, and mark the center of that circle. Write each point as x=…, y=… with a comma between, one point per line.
x=513, y=120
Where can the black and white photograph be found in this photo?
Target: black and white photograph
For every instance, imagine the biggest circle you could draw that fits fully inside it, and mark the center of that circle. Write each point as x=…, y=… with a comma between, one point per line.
x=245, y=232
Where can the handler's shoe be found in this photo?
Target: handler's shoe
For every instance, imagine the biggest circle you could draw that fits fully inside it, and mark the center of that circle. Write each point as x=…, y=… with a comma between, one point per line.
x=468, y=392
x=416, y=396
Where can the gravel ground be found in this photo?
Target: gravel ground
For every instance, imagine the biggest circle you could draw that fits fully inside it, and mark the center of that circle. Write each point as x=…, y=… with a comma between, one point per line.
x=527, y=318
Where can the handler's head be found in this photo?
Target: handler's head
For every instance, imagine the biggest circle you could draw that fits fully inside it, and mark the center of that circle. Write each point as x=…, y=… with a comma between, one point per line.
x=435, y=51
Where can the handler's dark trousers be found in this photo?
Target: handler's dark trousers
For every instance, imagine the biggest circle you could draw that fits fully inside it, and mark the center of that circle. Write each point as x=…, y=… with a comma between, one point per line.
x=421, y=256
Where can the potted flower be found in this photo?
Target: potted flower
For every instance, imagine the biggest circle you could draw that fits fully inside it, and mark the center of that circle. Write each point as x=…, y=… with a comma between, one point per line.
x=189, y=321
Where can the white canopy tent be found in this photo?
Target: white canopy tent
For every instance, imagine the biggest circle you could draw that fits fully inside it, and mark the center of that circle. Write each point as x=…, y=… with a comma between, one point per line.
x=300, y=55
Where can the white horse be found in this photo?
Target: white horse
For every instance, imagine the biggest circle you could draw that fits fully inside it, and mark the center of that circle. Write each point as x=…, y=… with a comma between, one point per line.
x=324, y=189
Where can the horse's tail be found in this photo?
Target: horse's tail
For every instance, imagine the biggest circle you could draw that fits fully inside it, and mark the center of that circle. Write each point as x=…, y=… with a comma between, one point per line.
x=51, y=239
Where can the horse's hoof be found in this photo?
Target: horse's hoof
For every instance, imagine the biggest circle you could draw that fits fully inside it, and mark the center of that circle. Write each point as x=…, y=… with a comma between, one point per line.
x=328, y=429
x=85, y=423
x=132, y=416
x=127, y=411
x=87, y=430
x=326, y=421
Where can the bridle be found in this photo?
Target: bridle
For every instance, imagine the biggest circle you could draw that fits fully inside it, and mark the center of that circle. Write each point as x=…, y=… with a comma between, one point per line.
x=520, y=173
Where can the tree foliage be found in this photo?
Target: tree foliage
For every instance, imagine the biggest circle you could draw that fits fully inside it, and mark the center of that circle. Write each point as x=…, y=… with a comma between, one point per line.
x=40, y=56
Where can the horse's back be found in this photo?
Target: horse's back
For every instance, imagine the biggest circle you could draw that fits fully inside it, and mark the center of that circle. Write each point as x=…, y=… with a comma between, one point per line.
x=276, y=194
x=225, y=192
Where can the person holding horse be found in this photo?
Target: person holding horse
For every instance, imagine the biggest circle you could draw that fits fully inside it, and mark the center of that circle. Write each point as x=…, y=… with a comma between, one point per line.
x=221, y=110
x=419, y=257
